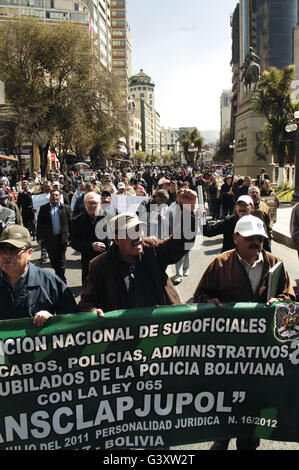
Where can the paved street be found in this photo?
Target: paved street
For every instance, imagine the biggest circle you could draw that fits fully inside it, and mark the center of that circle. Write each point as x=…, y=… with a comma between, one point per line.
x=199, y=260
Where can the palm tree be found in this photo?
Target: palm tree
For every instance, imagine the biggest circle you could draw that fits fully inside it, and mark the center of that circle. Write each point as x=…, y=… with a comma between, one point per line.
x=273, y=100
x=191, y=138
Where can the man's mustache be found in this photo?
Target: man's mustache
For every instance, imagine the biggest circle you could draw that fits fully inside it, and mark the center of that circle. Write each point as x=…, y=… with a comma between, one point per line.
x=254, y=245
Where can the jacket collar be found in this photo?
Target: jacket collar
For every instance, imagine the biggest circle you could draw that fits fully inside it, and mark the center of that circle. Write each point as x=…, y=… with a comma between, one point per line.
x=33, y=278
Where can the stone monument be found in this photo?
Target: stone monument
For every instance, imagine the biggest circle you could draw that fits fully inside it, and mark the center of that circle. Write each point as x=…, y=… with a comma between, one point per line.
x=250, y=154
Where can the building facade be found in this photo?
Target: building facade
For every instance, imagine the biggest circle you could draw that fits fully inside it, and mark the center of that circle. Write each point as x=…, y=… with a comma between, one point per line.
x=121, y=46
x=100, y=25
x=267, y=26
x=46, y=10
x=142, y=91
x=225, y=114
x=273, y=22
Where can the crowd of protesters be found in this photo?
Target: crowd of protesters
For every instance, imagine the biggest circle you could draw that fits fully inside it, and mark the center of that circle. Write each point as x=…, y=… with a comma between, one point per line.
x=160, y=186
x=130, y=271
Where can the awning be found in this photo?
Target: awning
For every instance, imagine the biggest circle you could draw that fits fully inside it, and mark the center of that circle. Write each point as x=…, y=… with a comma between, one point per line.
x=8, y=158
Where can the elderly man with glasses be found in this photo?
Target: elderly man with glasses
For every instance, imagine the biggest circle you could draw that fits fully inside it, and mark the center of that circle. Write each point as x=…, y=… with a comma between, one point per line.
x=241, y=275
x=83, y=232
x=25, y=289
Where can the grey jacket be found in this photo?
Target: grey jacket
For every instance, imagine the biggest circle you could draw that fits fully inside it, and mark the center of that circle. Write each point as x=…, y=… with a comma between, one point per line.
x=7, y=217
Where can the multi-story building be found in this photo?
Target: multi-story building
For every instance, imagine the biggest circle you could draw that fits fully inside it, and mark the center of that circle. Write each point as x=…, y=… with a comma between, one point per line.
x=235, y=64
x=142, y=91
x=170, y=141
x=157, y=130
x=273, y=22
x=100, y=20
x=135, y=134
x=225, y=113
x=46, y=10
x=267, y=26
x=121, y=45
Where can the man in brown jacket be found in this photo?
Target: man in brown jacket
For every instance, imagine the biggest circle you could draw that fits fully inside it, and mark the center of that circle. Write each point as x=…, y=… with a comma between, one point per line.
x=241, y=275
x=262, y=211
x=132, y=273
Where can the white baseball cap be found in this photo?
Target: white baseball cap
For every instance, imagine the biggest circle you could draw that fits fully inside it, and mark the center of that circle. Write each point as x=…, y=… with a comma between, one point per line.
x=121, y=185
x=246, y=199
x=250, y=225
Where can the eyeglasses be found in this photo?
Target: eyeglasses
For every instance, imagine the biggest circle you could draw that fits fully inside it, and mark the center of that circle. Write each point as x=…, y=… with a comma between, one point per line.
x=12, y=250
x=92, y=203
x=259, y=238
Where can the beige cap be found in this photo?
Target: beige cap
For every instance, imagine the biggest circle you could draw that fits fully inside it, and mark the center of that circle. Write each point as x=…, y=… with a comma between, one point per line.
x=16, y=235
x=125, y=221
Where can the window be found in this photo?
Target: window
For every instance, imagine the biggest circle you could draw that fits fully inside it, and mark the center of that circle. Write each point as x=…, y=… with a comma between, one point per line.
x=118, y=3
x=118, y=43
x=118, y=33
x=119, y=53
x=117, y=13
x=118, y=23
x=118, y=63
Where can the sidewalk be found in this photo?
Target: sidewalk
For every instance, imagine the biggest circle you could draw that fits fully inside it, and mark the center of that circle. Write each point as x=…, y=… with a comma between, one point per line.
x=281, y=229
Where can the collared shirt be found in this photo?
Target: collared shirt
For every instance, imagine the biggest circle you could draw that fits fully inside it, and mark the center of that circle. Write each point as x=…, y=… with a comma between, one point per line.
x=55, y=219
x=254, y=272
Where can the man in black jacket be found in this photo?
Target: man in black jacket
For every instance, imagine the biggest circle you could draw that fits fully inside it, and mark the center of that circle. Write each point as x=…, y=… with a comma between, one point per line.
x=53, y=227
x=83, y=232
x=25, y=205
x=226, y=226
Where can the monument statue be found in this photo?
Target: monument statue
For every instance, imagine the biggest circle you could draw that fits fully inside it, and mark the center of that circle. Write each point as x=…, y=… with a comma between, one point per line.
x=251, y=69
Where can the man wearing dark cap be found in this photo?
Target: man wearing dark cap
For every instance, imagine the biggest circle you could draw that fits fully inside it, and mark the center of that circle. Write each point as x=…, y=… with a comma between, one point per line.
x=25, y=289
x=132, y=273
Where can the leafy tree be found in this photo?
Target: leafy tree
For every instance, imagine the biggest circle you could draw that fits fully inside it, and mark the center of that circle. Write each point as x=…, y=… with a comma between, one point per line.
x=188, y=139
x=55, y=89
x=273, y=100
x=140, y=157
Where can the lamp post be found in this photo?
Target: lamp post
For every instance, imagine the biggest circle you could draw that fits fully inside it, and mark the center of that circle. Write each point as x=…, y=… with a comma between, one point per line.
x=291, y=128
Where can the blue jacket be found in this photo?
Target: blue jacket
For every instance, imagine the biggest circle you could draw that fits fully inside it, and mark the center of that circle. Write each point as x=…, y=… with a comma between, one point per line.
x=42, y=290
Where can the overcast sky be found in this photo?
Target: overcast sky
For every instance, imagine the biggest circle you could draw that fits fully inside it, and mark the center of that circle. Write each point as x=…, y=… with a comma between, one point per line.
x=185, y=47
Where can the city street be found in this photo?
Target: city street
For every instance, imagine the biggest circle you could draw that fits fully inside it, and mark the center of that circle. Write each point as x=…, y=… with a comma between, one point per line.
x=199, y=260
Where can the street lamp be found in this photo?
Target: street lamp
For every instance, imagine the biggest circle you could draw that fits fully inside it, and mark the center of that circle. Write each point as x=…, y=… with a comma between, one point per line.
x=291, y=128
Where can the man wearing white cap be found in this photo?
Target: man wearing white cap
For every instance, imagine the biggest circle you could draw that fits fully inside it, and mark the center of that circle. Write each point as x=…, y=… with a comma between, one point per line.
x=226, y=278
x=226, y=226
x=121, y=188
x=132, y=273
x=241, y=275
